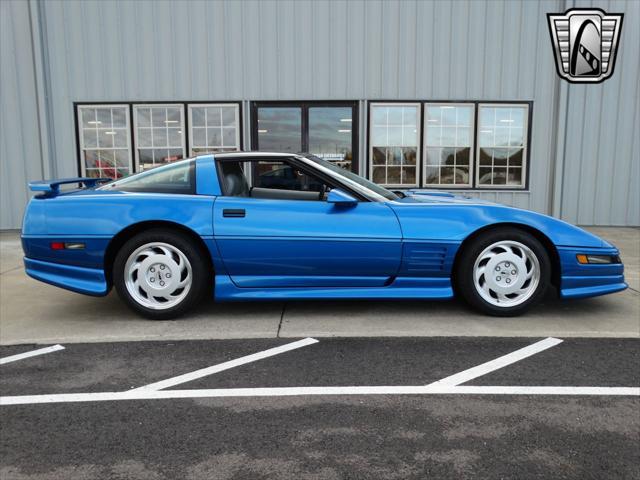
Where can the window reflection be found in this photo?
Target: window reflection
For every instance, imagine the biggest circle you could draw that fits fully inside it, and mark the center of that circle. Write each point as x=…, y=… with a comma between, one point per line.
x=501, y=145
x=394, y=144
x=448, y=144
x=104, y=141
x=330, y=134
x=159, y=134
x=280, y=129
x=214, y=128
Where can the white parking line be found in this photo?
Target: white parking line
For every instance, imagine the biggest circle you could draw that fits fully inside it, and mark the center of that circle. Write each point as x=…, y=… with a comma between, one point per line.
x=497, y=363
x=32, y=353
x=447, y=386
x=309, y=391
x=187, y=377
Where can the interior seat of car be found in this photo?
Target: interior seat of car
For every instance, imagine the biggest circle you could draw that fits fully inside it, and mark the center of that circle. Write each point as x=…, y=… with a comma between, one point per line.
x=236, y=185
x=235, y=182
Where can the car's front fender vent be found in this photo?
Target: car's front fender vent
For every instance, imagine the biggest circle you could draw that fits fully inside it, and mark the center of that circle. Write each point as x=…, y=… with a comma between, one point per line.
x=424, y=259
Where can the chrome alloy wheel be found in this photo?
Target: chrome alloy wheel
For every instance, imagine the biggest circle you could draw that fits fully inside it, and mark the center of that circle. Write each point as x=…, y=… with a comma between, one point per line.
x=506, y=273
x=158, y=275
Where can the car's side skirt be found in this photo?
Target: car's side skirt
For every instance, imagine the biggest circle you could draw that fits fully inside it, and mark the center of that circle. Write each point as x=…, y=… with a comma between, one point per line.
x=402, y=287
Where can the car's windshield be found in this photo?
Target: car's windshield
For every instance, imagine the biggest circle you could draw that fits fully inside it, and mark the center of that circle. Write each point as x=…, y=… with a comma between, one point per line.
x=377, y=189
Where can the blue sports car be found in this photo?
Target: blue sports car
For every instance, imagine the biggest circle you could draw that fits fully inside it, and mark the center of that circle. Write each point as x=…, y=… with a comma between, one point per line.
x=221, y=225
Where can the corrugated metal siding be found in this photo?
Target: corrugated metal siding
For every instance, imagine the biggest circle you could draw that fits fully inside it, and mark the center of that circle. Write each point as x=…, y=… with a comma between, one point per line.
x=277, y=50
x=20, y=155
x=602, y=153
x=361, y=50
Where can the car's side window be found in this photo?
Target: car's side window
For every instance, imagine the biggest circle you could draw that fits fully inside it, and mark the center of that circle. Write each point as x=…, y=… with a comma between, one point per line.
x=274, y=179
x=172, y=178
x=280, y=175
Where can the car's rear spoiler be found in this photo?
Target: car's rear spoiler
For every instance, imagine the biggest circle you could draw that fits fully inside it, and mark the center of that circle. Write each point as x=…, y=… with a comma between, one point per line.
x=51, y=188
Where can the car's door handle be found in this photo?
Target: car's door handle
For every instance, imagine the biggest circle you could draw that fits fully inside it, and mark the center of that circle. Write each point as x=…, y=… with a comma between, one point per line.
x=233, y=212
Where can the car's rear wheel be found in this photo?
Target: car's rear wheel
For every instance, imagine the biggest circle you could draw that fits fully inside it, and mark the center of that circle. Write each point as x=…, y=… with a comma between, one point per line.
x=503, y=272
x=160, y=274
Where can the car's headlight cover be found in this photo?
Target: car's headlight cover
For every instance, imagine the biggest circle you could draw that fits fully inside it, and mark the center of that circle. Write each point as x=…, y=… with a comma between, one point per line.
x=585, y=259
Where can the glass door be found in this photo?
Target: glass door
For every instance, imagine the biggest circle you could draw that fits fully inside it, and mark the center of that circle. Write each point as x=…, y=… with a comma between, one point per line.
x=325, y=129
x=331, y=134
x=279, y=129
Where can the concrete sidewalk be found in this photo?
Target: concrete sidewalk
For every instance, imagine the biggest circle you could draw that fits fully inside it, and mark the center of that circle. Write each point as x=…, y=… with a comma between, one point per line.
x=32, y=312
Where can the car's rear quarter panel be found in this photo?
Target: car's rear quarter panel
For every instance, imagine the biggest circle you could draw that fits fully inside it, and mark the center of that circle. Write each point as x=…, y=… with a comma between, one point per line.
x=94, y=219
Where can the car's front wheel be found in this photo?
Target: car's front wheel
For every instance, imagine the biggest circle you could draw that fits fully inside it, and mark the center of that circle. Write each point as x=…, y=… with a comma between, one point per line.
x=503, y=272
x=160, y=274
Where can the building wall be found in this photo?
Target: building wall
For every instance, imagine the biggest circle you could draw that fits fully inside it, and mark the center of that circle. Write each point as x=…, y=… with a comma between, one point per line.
x=601, y=151
x=297, y=50
x=20, y=143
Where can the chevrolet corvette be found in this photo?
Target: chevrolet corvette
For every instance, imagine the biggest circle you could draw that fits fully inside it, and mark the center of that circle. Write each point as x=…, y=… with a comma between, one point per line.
x=272, y=226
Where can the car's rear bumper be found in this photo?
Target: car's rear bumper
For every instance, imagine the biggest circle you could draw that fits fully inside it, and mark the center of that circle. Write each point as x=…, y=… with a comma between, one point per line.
x=89, y=281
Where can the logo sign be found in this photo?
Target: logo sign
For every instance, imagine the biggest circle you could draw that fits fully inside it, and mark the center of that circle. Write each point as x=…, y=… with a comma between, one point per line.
x=585, y=43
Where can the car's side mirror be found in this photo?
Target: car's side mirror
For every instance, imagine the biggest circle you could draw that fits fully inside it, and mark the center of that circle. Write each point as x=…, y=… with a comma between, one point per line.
x=340, y=197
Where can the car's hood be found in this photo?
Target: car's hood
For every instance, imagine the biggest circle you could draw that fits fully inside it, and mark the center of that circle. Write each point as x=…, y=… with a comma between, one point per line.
x=435, y=215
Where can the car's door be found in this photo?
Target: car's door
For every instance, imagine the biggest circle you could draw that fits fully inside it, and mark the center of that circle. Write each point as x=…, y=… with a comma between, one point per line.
x=275, y=242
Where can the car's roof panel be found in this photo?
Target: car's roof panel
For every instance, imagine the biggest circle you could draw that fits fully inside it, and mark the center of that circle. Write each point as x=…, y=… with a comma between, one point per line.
x=254, y=154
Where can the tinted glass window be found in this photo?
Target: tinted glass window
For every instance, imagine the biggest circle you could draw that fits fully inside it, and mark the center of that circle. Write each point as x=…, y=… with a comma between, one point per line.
x=174, y=178
x=330, y=135
x=282, y=176
x=280, y=129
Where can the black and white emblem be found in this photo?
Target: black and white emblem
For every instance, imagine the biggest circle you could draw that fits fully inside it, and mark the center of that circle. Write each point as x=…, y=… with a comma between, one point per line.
x=585, y=43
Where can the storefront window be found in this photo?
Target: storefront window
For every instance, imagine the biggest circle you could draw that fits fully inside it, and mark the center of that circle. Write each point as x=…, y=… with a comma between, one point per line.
x=214, y=128
x=501, y=145
x=159, y=134
x=448, y=144
x=104, y=140
x=394, y=144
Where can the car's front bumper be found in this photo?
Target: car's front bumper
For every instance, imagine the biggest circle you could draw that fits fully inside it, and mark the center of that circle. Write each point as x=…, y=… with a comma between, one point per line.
x=589, y=280
x=90, y=281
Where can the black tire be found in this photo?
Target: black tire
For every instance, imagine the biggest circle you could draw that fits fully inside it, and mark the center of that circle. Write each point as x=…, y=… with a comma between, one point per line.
x=200, y=272
x=464, y=272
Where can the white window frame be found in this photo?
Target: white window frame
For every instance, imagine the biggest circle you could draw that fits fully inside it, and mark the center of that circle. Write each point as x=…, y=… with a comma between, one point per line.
x=190, y=107
x=525, y=147
x=472, y=134
x=79, y=108
x=371, y=106
x=136, y=106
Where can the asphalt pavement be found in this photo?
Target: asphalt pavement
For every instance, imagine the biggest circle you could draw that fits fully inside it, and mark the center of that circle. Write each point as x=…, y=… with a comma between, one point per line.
x=289, y=434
